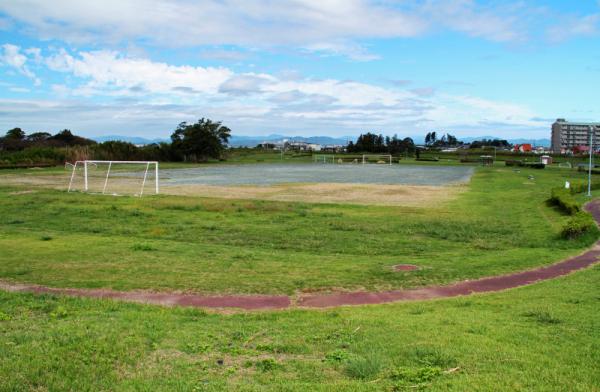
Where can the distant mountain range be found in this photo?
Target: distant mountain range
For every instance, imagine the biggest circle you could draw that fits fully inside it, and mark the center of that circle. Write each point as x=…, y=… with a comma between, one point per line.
x=251, y=141
x=129, y=139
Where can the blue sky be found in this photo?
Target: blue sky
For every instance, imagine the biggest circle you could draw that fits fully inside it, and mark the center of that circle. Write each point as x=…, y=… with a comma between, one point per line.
x=327, y=67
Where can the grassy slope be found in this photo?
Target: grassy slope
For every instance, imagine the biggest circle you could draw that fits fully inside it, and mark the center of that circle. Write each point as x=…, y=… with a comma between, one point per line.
x=209, y=245
x=542, y=337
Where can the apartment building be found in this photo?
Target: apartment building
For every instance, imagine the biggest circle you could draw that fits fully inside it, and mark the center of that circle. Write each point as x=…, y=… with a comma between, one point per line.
x=567, y=135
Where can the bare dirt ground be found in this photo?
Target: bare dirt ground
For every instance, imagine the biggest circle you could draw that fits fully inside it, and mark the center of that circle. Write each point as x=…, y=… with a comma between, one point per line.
x=394, y=195
x=371, y=194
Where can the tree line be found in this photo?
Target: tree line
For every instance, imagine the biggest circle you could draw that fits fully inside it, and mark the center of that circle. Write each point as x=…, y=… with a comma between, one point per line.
x=373, y=143
x=195, y=142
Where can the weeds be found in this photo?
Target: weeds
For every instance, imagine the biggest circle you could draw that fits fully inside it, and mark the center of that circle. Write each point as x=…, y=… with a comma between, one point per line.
x=542, y=317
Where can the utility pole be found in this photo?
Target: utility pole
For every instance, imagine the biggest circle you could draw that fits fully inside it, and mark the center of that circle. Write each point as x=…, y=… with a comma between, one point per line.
x=589, y=193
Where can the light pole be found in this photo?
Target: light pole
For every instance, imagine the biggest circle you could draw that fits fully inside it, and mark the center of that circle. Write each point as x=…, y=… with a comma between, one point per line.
x=589, y=192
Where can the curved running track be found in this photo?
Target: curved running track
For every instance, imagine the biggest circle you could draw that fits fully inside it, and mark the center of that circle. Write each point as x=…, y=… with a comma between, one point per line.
x=254, y=302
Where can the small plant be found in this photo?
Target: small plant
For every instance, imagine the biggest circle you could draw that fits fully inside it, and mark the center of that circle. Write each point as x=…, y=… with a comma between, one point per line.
x=413, y=378
x=4, y=316
x=542, y=317
x=59, y=312
x=363, y=368
x=337, y=356
x=196, y=348
x=143, y=247
x=267, y=365
x=433, y=356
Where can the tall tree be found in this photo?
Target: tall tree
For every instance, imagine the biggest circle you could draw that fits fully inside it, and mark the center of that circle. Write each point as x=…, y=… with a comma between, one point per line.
x=16, y=134
x=201, y=141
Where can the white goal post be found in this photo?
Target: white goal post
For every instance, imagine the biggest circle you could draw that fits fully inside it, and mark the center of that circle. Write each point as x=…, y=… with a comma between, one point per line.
x=379, y=158
x=89, y=165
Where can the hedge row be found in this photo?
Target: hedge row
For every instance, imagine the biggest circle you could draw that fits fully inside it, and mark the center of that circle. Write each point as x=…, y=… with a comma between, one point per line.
x=580, y=222
x=564, y=199
x=533, y=165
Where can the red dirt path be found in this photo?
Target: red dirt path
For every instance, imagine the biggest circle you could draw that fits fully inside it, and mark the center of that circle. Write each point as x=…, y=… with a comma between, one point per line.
x=254, y=302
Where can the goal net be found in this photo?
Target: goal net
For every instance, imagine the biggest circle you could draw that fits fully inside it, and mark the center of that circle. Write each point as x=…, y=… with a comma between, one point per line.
x=115, y=177
x=383, y=159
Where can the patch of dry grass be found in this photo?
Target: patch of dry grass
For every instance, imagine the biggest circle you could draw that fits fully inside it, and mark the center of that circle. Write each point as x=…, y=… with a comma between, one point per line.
x=365, y=194
x=373, y=194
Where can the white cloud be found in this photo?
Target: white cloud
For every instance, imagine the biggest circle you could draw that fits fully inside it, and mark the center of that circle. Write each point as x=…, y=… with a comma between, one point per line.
x=110, y=71
x=11, y=56
x=330, y=26
x=571, y=26
x=152, y=94
x=492, y=23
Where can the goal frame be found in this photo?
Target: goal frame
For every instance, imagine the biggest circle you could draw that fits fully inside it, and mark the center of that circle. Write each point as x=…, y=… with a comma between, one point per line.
x=386, y=156
x=86, y=163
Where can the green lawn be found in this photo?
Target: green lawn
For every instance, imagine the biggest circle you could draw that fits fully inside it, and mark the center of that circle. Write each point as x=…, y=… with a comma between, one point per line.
x=544, y=337
x=500, y=224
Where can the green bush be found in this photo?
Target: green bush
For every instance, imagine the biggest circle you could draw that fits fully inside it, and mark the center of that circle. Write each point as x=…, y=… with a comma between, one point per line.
x=512, y=162
x=534, y=165
x=579, y=224
x=563, y=198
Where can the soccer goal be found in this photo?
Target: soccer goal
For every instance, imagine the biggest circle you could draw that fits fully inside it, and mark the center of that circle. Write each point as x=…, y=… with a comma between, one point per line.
x=114, y=177
x=377, y=158
x=324, y=158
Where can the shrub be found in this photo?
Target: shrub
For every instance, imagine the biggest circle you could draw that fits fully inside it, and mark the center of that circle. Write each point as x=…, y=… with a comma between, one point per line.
x=563, y=198
x=534, y=165
x=579, y=224
x=512, y=162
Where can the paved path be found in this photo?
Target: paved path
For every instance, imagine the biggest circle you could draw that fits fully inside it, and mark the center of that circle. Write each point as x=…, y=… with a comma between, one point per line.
x=254, y=302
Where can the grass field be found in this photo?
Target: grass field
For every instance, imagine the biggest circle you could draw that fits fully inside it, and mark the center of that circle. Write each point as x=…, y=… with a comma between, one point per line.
x=500, y=224
x=541, y=337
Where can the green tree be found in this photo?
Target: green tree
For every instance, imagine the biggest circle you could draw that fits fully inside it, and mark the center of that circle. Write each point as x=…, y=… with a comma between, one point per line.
x=15, y=134
x=201, y=141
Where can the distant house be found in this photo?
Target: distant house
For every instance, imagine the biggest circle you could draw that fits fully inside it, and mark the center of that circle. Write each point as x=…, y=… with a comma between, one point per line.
x=526, y=147
x=580, y=149
x=333, y=148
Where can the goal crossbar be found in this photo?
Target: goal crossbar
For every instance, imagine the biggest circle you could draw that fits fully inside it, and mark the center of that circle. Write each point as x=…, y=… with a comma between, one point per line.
x=86, y=163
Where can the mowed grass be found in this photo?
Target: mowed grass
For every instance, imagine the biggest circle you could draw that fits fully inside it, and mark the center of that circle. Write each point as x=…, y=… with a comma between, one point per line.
x=543, y=337
x=500, y=224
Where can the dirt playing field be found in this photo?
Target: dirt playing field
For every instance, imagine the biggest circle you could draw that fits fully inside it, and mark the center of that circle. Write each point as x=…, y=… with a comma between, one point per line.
x=374, y=194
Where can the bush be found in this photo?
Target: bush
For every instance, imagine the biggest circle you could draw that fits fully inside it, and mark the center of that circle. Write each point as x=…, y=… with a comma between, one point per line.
x=534, y=165
x=512, y=162
x=579, y=224
x=563, y=198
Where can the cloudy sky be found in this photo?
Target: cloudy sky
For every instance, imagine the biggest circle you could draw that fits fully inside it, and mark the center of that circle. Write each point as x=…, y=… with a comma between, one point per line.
x=299, y=67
